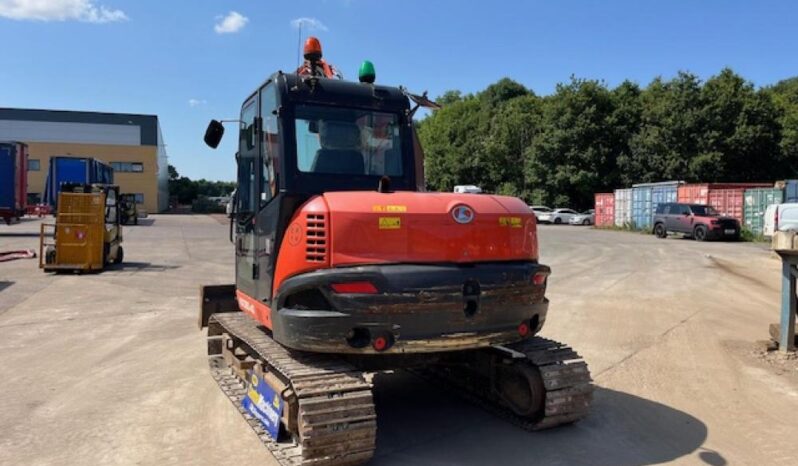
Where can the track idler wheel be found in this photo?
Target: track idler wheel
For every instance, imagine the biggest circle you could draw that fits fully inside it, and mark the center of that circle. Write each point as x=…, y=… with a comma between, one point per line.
x=520, y=386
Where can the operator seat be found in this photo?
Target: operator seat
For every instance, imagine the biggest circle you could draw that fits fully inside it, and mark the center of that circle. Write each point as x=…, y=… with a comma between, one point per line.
x=339, y=153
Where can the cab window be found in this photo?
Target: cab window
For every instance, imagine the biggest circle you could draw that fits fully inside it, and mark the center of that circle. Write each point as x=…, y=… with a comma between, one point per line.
x=247, y=159
x=270, y=143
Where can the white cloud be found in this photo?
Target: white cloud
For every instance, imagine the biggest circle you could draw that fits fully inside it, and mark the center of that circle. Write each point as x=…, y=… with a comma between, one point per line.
x=60, y=10
x=196, y=102
x=232, y=23
x=309, y=24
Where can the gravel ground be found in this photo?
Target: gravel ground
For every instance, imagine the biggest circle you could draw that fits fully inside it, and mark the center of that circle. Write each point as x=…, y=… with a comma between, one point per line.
x=110, y=368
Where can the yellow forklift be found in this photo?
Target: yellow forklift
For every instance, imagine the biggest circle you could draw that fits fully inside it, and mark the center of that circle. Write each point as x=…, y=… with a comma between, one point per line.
x=87, y=234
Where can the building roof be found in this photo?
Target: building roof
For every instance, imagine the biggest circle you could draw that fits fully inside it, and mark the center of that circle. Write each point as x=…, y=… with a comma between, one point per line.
x=40, y=122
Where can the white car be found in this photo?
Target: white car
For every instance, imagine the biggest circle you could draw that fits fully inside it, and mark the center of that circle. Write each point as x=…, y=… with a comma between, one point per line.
x=780, y=217
x=557, y=216
x=539, y=209
x=467, y=189
x=587, y=217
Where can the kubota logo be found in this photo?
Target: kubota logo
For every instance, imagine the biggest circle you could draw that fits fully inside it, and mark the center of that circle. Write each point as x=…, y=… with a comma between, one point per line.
x=463, y=214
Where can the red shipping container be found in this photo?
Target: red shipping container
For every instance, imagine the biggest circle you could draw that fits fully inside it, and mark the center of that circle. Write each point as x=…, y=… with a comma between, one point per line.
x=605, y=209
x=726, y=198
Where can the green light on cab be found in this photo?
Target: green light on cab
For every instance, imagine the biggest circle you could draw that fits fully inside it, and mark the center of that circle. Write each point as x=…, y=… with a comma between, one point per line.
x=366, y=73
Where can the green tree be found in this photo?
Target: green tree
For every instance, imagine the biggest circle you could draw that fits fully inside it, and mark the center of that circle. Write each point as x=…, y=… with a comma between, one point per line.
x=739, y=137
x=574, y=153
x=585, y=138
x=668, y=137
x=784, y=96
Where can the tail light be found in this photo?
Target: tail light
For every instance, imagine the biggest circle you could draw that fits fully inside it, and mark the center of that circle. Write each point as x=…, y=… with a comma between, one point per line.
x=382, y=341
x=539, y=278
x=776, y=219
x=354, y=288
x=523, y=329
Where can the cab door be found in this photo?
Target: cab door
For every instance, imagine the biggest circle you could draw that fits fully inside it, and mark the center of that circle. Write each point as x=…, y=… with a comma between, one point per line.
x=247, y=272
x=268, y=201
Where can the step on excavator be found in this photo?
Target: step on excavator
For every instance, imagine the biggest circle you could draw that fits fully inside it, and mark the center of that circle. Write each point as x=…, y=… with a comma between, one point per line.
x=346, y=266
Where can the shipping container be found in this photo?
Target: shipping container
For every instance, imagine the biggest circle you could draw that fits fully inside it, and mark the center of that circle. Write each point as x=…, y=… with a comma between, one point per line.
x=646, y=197
x=74, y=170
x=726, y=198
x=790, y=188
x=605, y=210
x=13, y=180
x=623, y=207
x=755, y=203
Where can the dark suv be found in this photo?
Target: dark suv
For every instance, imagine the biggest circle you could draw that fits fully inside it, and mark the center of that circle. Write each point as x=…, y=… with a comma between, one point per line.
x=696, y=220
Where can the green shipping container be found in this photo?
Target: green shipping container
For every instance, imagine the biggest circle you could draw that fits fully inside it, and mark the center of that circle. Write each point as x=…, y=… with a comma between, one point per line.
x=755, y=202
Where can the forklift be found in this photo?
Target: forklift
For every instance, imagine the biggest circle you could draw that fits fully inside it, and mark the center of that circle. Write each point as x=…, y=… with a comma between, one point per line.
x=87, y=233
x=128, y=209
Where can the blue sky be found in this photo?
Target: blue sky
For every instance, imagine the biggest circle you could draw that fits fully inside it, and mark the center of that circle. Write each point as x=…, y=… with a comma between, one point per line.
x=184, y=62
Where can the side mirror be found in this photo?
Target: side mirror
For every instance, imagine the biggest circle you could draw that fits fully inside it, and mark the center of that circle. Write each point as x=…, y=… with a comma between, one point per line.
x=214, y=133
x=687, y=214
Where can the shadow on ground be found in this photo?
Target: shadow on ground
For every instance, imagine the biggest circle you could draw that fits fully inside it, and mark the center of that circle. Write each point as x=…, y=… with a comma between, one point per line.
x=420, y=423
x=131, y=266
x=4, y=285
x=143, y=222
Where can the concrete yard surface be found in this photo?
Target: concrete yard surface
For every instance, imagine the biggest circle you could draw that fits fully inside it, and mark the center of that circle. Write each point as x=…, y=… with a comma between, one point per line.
x=110, y=368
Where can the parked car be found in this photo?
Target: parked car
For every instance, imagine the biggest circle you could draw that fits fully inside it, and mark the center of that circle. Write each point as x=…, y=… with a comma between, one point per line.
x=587, y=217
x=557, y=216
x=780, y=217
x=539, y=209
x=467, y=189
x=697, y=220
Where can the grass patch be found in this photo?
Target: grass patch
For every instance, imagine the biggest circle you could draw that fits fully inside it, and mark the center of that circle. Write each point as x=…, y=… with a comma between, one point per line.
x=751, y=237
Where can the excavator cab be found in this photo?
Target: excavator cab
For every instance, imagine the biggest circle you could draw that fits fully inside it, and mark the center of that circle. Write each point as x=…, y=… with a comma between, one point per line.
x=300, y=137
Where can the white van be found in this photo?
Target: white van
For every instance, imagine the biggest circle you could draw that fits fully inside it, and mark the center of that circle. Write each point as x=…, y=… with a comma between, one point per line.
x=780, y=217
x=467, y=189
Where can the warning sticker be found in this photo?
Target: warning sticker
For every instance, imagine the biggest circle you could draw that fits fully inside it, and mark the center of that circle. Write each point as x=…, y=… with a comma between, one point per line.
x=389, y=208
x=512, y=222
x=390, y=223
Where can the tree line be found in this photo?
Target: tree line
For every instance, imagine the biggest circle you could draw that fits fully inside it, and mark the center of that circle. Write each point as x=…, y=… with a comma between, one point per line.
x=586, y=137
x=187, y=190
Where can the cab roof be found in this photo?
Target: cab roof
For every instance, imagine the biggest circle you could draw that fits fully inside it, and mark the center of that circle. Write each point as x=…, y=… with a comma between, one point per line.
x=339, y=92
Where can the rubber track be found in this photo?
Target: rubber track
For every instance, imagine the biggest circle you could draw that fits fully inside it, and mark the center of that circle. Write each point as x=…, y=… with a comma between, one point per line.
x=569, y=388
x=337, y=420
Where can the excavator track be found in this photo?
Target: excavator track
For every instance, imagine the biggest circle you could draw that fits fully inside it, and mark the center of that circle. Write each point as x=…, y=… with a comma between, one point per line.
x=335, y=417
x=566, y=381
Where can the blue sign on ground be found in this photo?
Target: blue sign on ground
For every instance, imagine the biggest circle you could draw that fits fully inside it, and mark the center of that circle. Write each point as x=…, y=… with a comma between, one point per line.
x=263, y=403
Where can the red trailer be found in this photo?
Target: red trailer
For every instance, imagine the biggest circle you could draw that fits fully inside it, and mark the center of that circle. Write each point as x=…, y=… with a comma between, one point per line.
x=726, y=198
x=605, y=210
x=13, y=180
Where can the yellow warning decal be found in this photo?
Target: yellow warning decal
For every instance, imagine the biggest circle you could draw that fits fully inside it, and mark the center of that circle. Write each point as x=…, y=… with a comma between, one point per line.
x=252, y=392
x=390, y=223
x=512, y=222
x=389, y=208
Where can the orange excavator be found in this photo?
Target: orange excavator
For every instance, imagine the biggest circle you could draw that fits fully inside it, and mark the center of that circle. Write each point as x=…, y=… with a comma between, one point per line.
x=346, y=266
